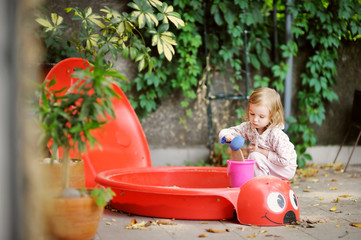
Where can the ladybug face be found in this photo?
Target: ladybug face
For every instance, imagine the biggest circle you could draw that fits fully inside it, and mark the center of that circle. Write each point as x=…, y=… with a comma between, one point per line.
x=267, y=201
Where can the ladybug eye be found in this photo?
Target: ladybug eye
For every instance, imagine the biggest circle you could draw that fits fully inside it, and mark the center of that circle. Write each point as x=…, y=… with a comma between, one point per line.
x=276, y=202
x=293, y=199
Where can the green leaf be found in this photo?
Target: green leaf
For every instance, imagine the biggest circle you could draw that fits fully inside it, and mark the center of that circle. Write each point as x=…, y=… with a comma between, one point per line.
x=254, y=61
x=307, y=156
x=169, y=14
x=133, y=52
x=141, y=65
x=143, y=13
x=57, y=20
x=44, y=22
x=164, y=42
x=155, y=3
x=102, y=196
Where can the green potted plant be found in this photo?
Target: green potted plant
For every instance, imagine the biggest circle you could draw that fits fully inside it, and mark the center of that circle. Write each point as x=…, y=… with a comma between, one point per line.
x=67, y=117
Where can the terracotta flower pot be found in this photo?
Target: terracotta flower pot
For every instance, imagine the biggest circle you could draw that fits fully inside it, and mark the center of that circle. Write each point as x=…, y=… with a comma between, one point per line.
x=52, y=176
x=73, y=218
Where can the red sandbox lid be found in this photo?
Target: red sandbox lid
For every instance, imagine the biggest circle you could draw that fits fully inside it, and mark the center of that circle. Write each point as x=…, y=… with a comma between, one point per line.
x=122, y=139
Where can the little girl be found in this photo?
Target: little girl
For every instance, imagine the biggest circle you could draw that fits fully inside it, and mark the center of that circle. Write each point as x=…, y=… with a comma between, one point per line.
x=269, y=146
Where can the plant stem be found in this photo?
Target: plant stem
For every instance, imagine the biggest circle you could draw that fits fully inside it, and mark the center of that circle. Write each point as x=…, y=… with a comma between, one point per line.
x=65, y=170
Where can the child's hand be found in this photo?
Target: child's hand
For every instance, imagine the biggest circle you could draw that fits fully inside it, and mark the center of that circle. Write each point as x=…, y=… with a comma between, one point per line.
x=229, y=138
x=251, y=148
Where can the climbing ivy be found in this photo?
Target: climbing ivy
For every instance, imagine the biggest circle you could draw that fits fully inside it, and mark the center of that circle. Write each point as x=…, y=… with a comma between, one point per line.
x=318, y=27
x=322, y=25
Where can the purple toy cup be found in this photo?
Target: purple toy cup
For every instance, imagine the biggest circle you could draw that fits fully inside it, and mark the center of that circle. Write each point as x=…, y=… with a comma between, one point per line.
x=240, y=172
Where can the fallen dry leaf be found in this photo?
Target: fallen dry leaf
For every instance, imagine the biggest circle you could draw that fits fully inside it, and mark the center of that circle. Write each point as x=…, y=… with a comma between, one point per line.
x=202, y=235
x=345, y=196
x=332, y=180
x=212, y=230
x=139, y=226
x=322, y=221
x=307, y=223
x=165, y=222
x=337, y=200
x=358, y=225
x=306, y=173
x=333, y=209
x=271, y=235
x=252, y=236
x=256, y=233
x=333, y=188
x=336, y=166
x=290, y=226
x=302, y=223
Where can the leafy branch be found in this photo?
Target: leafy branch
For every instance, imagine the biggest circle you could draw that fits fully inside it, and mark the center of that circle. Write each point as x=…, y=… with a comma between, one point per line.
x=117, y=33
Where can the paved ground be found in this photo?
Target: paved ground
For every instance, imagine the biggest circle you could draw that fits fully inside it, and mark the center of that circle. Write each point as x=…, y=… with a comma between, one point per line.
x=329, y=200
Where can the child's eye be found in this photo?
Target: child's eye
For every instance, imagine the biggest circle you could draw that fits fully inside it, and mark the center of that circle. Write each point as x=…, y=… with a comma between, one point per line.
x=252, y=114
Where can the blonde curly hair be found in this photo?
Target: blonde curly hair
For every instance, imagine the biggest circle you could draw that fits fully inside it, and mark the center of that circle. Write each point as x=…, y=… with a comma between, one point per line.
x=272, y=100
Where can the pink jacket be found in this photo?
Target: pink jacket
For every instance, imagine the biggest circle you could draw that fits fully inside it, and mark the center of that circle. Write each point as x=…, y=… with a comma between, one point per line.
x=281, y=150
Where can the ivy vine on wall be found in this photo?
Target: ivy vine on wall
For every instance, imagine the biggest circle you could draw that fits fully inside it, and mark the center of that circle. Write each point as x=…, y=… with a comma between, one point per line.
x=319, y=26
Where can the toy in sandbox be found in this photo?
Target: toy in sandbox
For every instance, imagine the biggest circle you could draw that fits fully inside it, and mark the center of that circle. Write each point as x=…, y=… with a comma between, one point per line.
x=239, y=170
x=196, y=193
x=264, y=200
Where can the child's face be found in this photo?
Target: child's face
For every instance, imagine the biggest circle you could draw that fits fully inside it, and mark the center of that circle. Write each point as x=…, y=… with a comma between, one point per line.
x=259, y=116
